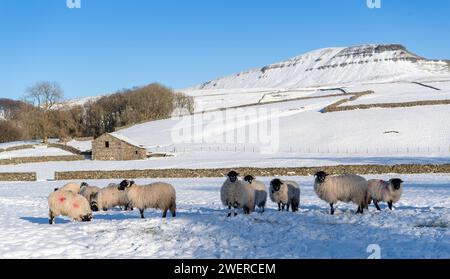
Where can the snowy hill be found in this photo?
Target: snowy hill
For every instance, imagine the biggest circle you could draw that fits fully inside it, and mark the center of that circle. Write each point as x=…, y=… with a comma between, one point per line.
x=337, y=66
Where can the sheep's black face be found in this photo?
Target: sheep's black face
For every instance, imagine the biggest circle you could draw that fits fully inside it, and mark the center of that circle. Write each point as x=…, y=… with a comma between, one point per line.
x=321, y=175
x=249, y=178
x=84, y=184
x=276, y=184
x=56, y=189
x=125, y=184
x=86, y=218
x=94, y=206
x=232, y=175
x=396, y=183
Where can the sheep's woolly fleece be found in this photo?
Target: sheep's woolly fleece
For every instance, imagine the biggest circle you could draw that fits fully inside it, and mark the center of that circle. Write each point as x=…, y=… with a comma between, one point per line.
x=417, y=228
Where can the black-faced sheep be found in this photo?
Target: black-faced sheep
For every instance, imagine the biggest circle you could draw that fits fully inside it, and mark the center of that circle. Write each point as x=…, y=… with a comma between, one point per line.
x=345, y=188
x=385, y=191
x=260, y=191
x=158, y=195
x=67, y=203
x=237, y=194
x=88, y=191
x=285, y=194
x=109, y=197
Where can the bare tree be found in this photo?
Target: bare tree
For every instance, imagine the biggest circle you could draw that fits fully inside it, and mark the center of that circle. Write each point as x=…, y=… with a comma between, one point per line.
x=44, y=96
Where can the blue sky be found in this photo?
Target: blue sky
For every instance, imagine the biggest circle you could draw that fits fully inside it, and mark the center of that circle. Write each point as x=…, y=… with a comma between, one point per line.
x=113, y=44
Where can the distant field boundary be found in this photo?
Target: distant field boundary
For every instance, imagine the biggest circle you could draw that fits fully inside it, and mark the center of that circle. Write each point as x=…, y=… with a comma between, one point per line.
x=337, y=106
x=64, y=147
x=353, y=96
x=26, y=160
x=210, y=173
x=18, y=176
x=17, y=147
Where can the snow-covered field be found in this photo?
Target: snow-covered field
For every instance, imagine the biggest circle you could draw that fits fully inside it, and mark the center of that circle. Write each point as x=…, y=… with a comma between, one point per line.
x=299, y=125
x=417, y=228
x=37, y=151
x=214, y=159
x=401, y=92
x=82, y=145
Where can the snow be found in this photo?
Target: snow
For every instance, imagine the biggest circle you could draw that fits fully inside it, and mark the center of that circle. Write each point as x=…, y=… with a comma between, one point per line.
x=337, y=66
x=417, y=228
x=77, y=102
x=82, y=145
x=401, y=92
x=37, y=151
x=301, y=136
x=299, y=125
x=279, y=131
x=223, y=159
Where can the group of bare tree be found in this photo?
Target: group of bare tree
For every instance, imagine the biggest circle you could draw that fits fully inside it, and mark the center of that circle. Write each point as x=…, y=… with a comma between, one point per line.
x=43, y=114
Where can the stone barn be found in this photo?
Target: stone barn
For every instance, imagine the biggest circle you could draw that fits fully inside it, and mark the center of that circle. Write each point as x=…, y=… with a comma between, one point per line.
x=111, y=147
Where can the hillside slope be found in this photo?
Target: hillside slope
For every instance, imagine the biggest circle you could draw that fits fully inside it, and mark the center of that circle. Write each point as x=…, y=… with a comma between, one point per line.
x=337, y=66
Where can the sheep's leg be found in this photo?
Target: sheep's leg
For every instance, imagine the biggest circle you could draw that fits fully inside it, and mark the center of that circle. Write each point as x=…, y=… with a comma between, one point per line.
x=262, y=210
x=331, y=209
x=390, y=205
x=51, y=217
x=234, y=211
x=376, y=205
x=282, y=207
x=173, y=209
x=279, y=206
x=359, y=210
x=288, y=205
x=229, y=211
x=142, y=213
x=164, y=213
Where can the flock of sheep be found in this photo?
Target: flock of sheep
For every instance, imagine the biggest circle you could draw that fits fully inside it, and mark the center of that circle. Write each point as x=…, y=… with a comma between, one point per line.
x=248, y=193
x=78, y=201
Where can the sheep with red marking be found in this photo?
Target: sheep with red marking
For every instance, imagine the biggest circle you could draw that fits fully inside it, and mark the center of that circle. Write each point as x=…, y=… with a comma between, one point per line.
x=67, y=203
x=71, y=186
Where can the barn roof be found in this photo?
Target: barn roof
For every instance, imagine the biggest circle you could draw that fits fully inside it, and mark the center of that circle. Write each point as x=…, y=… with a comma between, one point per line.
x=125, y=139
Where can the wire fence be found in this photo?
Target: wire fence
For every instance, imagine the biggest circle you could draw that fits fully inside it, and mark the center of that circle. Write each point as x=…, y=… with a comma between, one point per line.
x=323, y=150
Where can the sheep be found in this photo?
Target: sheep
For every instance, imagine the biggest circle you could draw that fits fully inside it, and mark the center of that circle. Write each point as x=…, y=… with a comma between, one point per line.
x=237, y=194
x=260, y=192
x=67, y=203
x=345, y=188
x=285, y=193
x=386, y=191
x=88, y=191
x=157, y=195
x=109, y=197
x=71, y=186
